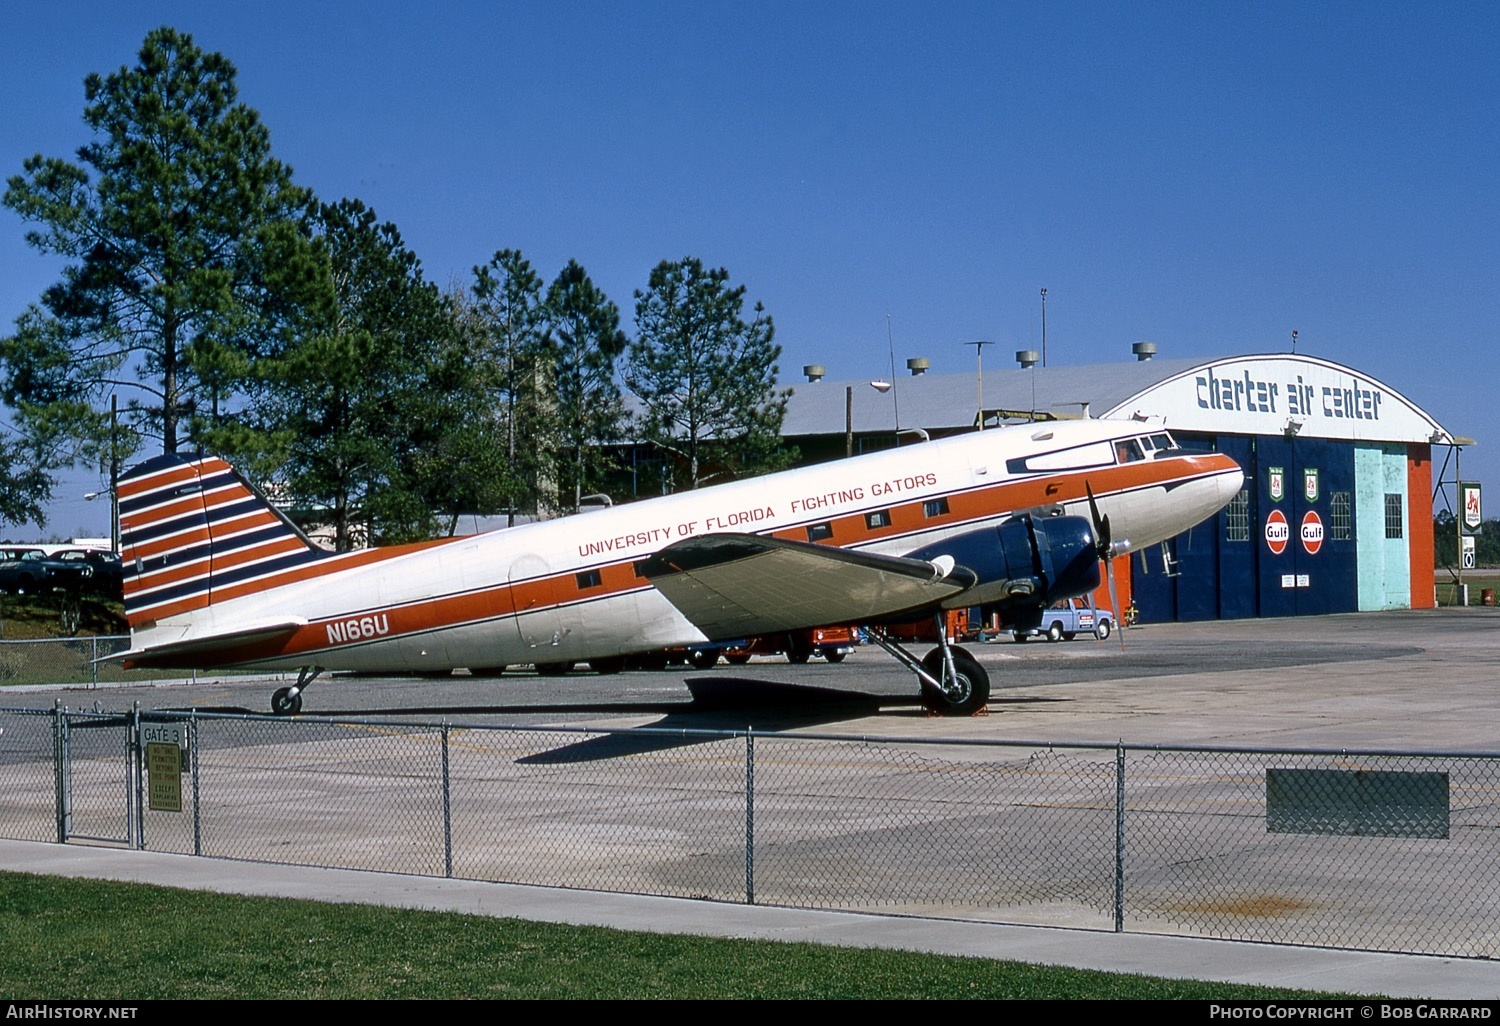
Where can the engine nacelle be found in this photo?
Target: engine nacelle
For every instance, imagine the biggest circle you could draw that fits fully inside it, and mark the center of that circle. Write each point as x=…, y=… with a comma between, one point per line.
x=1025, y=561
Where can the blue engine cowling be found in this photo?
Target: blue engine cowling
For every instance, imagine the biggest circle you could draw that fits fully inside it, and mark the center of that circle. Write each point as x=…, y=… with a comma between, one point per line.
x=1027, y=561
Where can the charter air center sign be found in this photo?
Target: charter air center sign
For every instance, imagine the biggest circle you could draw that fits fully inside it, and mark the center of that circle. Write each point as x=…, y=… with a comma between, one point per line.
x=1264, y=395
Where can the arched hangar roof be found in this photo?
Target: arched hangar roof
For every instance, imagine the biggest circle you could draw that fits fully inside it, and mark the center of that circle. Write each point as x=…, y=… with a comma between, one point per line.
x=1257, y=395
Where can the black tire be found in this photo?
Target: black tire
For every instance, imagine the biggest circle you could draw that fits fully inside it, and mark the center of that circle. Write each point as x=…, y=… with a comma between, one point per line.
x=798, y=651
x=487, y=671
x=737, y=658
x=835, y=657
x=1069, y=635
x=284, y=703
x=608, y=666
x=1021, y=638
x=1055, y=632
x=704, y=658
x=553, y=669
x=974, y=685
x=1103, y=629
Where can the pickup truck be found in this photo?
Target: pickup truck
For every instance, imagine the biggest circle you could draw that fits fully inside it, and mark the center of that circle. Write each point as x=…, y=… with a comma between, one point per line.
x=1066, y=620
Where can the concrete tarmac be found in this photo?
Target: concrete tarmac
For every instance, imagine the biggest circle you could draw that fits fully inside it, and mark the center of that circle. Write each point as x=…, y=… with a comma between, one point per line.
x=1417, y=680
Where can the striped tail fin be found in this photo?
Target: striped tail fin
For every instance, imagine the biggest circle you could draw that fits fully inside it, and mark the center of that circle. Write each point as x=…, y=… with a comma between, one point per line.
x=193, y=532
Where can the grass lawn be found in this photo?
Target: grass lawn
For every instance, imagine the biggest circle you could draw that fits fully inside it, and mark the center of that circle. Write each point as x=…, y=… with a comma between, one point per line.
x=89, y=939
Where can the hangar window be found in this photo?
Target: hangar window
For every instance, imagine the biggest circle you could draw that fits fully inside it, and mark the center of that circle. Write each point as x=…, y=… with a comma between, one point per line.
x=1340, y=522
x=935, y=507
x=589, y=579
x=880, y=518
x=1393, y=526
x=819, y=532
x=1237, y=517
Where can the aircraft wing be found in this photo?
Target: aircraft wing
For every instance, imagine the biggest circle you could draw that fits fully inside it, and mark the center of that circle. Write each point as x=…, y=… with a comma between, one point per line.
x=739, y=585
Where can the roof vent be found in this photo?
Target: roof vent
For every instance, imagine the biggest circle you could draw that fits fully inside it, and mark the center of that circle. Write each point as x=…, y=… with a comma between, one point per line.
x=815, y=371
x=918, y=365
x=1143, y=350
x=1028, y=358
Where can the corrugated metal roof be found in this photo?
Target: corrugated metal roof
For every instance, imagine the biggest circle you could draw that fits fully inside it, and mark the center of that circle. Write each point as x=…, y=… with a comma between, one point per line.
x=950, y=401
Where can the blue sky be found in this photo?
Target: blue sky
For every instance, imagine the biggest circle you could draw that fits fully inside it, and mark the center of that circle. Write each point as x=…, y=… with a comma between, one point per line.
x=1208, y=176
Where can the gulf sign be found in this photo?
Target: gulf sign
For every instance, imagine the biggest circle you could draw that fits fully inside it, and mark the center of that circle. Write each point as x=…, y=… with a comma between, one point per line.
x=1277, y=532
x=1312, y=532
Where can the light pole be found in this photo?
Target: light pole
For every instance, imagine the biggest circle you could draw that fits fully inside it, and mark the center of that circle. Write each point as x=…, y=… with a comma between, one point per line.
x=979, y=345
x=1044, y=327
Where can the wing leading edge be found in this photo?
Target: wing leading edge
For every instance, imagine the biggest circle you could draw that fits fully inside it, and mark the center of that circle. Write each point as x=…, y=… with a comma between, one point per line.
x=738, y=585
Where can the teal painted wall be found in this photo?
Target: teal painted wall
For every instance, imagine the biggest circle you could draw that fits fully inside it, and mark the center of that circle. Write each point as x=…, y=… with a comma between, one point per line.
x=1384, y=564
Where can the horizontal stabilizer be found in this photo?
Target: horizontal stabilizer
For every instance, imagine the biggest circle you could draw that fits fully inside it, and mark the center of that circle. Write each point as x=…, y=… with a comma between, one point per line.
x=150, y=654
x=741, y=585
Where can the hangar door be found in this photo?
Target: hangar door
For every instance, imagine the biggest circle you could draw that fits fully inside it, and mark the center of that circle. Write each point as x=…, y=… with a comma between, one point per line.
x=1306, y=547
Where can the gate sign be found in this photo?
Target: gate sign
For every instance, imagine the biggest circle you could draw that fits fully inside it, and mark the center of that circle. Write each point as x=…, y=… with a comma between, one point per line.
x=1473, y=516
x=1277, y=532
x=1312, y=532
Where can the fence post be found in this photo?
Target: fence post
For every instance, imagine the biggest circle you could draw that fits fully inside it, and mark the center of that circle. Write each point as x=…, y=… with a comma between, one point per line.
x=60, y=769
x=447, y=809
x=1120, y=837
x=749, y=817
x=197, y=805
x=135, y=801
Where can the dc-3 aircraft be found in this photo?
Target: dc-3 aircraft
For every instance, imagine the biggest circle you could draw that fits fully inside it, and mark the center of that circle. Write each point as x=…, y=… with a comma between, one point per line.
x=1009, y=519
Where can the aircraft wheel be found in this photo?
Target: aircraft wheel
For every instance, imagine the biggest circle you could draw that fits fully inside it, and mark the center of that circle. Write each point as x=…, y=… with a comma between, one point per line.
x=284, y=703
x=608, y=665
x=737, y=658
x=835, y=657
x=553, y=669
x=1102, y=631
x=704, y=658
x=973, y=683
x=1055, y=632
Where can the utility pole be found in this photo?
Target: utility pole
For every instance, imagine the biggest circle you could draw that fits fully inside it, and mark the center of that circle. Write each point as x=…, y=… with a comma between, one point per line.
x=1044, y=327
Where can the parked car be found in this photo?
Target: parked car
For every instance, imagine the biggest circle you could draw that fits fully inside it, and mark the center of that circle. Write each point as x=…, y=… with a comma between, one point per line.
x=29, y=571
x=1067, y=619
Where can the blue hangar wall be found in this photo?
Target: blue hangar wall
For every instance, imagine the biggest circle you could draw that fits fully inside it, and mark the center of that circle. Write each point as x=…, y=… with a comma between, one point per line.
x=1335, y=515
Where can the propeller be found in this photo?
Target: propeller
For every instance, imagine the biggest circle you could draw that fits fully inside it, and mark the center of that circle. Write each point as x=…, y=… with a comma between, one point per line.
x=1104, y=544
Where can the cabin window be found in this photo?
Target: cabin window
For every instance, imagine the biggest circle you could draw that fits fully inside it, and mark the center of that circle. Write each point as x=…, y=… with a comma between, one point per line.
x=935, y=507
x=880, y=518
x=819, y=532
x=589, y=579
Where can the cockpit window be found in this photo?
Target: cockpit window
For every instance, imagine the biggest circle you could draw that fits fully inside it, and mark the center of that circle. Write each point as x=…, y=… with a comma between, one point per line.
x=1128, y=450
x=1163, y=441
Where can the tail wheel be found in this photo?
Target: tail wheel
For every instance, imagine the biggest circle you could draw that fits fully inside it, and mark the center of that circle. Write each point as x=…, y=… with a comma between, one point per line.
x=973, y=685
x=285, y=703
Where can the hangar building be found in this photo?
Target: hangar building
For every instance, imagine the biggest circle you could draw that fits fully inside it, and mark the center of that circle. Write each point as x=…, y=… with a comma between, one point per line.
x=1335, y=515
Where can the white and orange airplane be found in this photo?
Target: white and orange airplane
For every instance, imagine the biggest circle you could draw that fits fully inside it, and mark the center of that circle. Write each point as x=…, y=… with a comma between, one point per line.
x=1010, y=519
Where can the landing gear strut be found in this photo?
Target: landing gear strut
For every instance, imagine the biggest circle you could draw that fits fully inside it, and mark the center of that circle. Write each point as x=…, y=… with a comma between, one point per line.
x=288, y=701
x=953, y=683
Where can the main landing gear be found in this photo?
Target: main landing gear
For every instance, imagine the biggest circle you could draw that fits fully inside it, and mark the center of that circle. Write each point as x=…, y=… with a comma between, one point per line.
x=288, y=701
x=953, y=683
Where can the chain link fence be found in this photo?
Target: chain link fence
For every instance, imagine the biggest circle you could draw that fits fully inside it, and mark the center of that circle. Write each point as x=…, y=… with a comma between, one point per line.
x=1374, y=850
